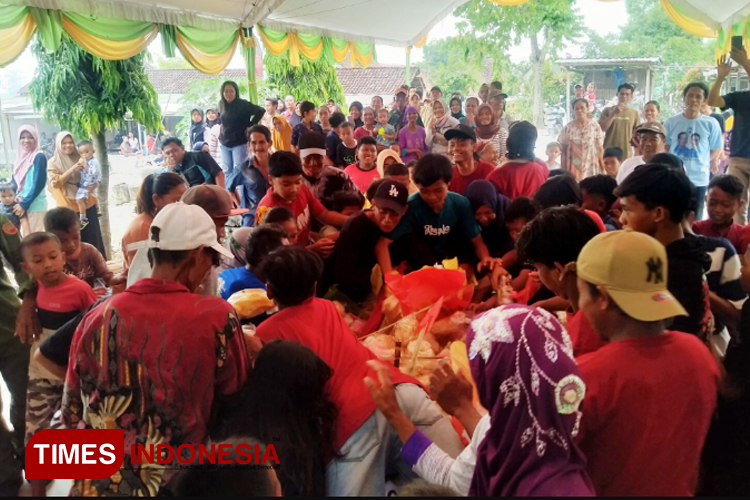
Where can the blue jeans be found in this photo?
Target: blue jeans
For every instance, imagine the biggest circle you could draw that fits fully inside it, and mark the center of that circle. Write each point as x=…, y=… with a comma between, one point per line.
x=231, y=160
x=374, y=449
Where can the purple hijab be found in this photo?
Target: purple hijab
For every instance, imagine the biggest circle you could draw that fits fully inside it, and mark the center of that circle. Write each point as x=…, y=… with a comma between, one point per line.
x=522, y=362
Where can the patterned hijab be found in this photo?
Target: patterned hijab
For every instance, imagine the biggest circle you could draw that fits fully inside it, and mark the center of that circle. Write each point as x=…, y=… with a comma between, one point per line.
x=522, y=362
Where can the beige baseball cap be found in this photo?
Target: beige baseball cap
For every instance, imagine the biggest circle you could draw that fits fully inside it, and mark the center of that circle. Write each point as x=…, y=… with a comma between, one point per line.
x=632, y=267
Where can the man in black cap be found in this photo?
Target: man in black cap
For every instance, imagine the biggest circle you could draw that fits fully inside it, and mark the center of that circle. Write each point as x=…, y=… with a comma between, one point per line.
x=322, y=180
x=354, y=254
x=462, y=143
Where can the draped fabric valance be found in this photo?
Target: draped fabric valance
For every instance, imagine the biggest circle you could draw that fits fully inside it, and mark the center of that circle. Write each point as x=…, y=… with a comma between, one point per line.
x=209, y=51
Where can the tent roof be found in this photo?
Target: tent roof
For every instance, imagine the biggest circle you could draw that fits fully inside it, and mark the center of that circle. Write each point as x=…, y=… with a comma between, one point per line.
x=332, y=18
x=715, y=14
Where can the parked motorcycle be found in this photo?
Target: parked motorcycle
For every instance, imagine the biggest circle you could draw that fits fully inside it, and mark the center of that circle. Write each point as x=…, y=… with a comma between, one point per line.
x=554, y=117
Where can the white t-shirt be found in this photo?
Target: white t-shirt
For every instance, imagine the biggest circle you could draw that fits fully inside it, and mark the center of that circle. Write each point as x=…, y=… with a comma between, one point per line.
x=627, y=167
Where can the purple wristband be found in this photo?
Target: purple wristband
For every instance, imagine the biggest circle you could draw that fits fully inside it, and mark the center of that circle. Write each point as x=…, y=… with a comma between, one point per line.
x=415, y=447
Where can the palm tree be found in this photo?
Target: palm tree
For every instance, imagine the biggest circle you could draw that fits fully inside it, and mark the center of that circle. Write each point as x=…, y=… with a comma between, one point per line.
x=88, y=95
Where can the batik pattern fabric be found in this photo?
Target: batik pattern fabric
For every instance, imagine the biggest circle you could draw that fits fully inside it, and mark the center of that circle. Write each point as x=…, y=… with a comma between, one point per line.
x=153, y=375
x=585, y=146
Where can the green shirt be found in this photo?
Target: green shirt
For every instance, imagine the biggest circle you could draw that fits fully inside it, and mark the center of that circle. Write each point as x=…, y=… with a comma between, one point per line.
x=10, y=244
x=455, y=220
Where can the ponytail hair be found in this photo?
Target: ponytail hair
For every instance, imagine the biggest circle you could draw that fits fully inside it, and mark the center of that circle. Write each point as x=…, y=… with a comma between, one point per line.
x=155, y=184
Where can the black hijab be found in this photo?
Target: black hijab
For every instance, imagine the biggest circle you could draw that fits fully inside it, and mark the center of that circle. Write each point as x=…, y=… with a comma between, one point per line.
x=197, y=128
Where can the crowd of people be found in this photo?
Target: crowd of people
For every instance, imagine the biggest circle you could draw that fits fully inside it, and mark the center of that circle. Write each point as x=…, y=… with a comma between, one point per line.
x=607, y=331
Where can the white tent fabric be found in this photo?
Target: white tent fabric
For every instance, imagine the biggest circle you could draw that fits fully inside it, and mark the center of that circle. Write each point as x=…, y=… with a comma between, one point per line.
x=716, y=14
x=389, y=22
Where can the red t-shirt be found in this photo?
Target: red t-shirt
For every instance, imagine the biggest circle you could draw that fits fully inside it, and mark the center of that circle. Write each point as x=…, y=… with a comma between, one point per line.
x=59, y=304
x=361, y=178
x=646, y=413
x=738, y=236
x=363, y=132
x=318, y=325
x=303, y=206
x=582, y=334
x=459, y=182
x=518, y=179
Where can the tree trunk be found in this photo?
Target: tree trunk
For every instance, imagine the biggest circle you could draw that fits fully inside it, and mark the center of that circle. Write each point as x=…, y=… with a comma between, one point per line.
x=537, y=59
x=100, y=145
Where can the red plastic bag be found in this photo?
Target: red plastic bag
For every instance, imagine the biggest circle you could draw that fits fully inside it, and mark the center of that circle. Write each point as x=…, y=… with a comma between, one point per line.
x=422, y=288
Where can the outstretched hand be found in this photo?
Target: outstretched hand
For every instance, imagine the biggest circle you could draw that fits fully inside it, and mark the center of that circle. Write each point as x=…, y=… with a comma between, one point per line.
x=450, y=389
x=382, y=392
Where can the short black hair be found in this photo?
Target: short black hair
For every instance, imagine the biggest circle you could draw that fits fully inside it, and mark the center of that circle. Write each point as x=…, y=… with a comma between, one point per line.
x=85, y=142
x=262, y=240
x=497, y=85
x=614, y=152
x=578, y=86
x=378, y=97
x=628, y=86
x=283, y=163
x=340, y=200
x=432, y=168
x=700, y=85
x=559, y=191
x=34, y=239
x=306, y=107
x=659, y=186
x=279, y=215
x=655, y=103
x=522, y=208
x=273, y=100
x=345, y=124
x=372, y=189
x=557, y=172
x=258, y=129
x=367, y=140
x=601, y=185
x=208, y=480
x=580, y=99
x=395, y=169
x=171, y=140
x=5, y=185
x=291, y=274
x=336, y=119
x=556, y=235
x=436, y=88
x=60, y=219
x=729, y=184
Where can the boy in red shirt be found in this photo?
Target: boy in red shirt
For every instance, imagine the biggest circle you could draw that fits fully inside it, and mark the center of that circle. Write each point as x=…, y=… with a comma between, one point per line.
x=462, y=143
x=365, y=444
x=364, y=171
x=723, y=201
x=287, y=190
x=650, y=393
x=551, y=242
x=60, y=297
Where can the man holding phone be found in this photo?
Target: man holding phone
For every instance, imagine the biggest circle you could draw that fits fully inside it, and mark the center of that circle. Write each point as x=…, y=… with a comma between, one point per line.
x=739, y=156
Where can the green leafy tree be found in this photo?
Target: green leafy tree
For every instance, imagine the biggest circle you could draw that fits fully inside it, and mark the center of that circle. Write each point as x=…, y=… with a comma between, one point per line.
x=456, y=64
x=88, y=95
x=650, y=33
x=545, y=24
x=313, y=81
